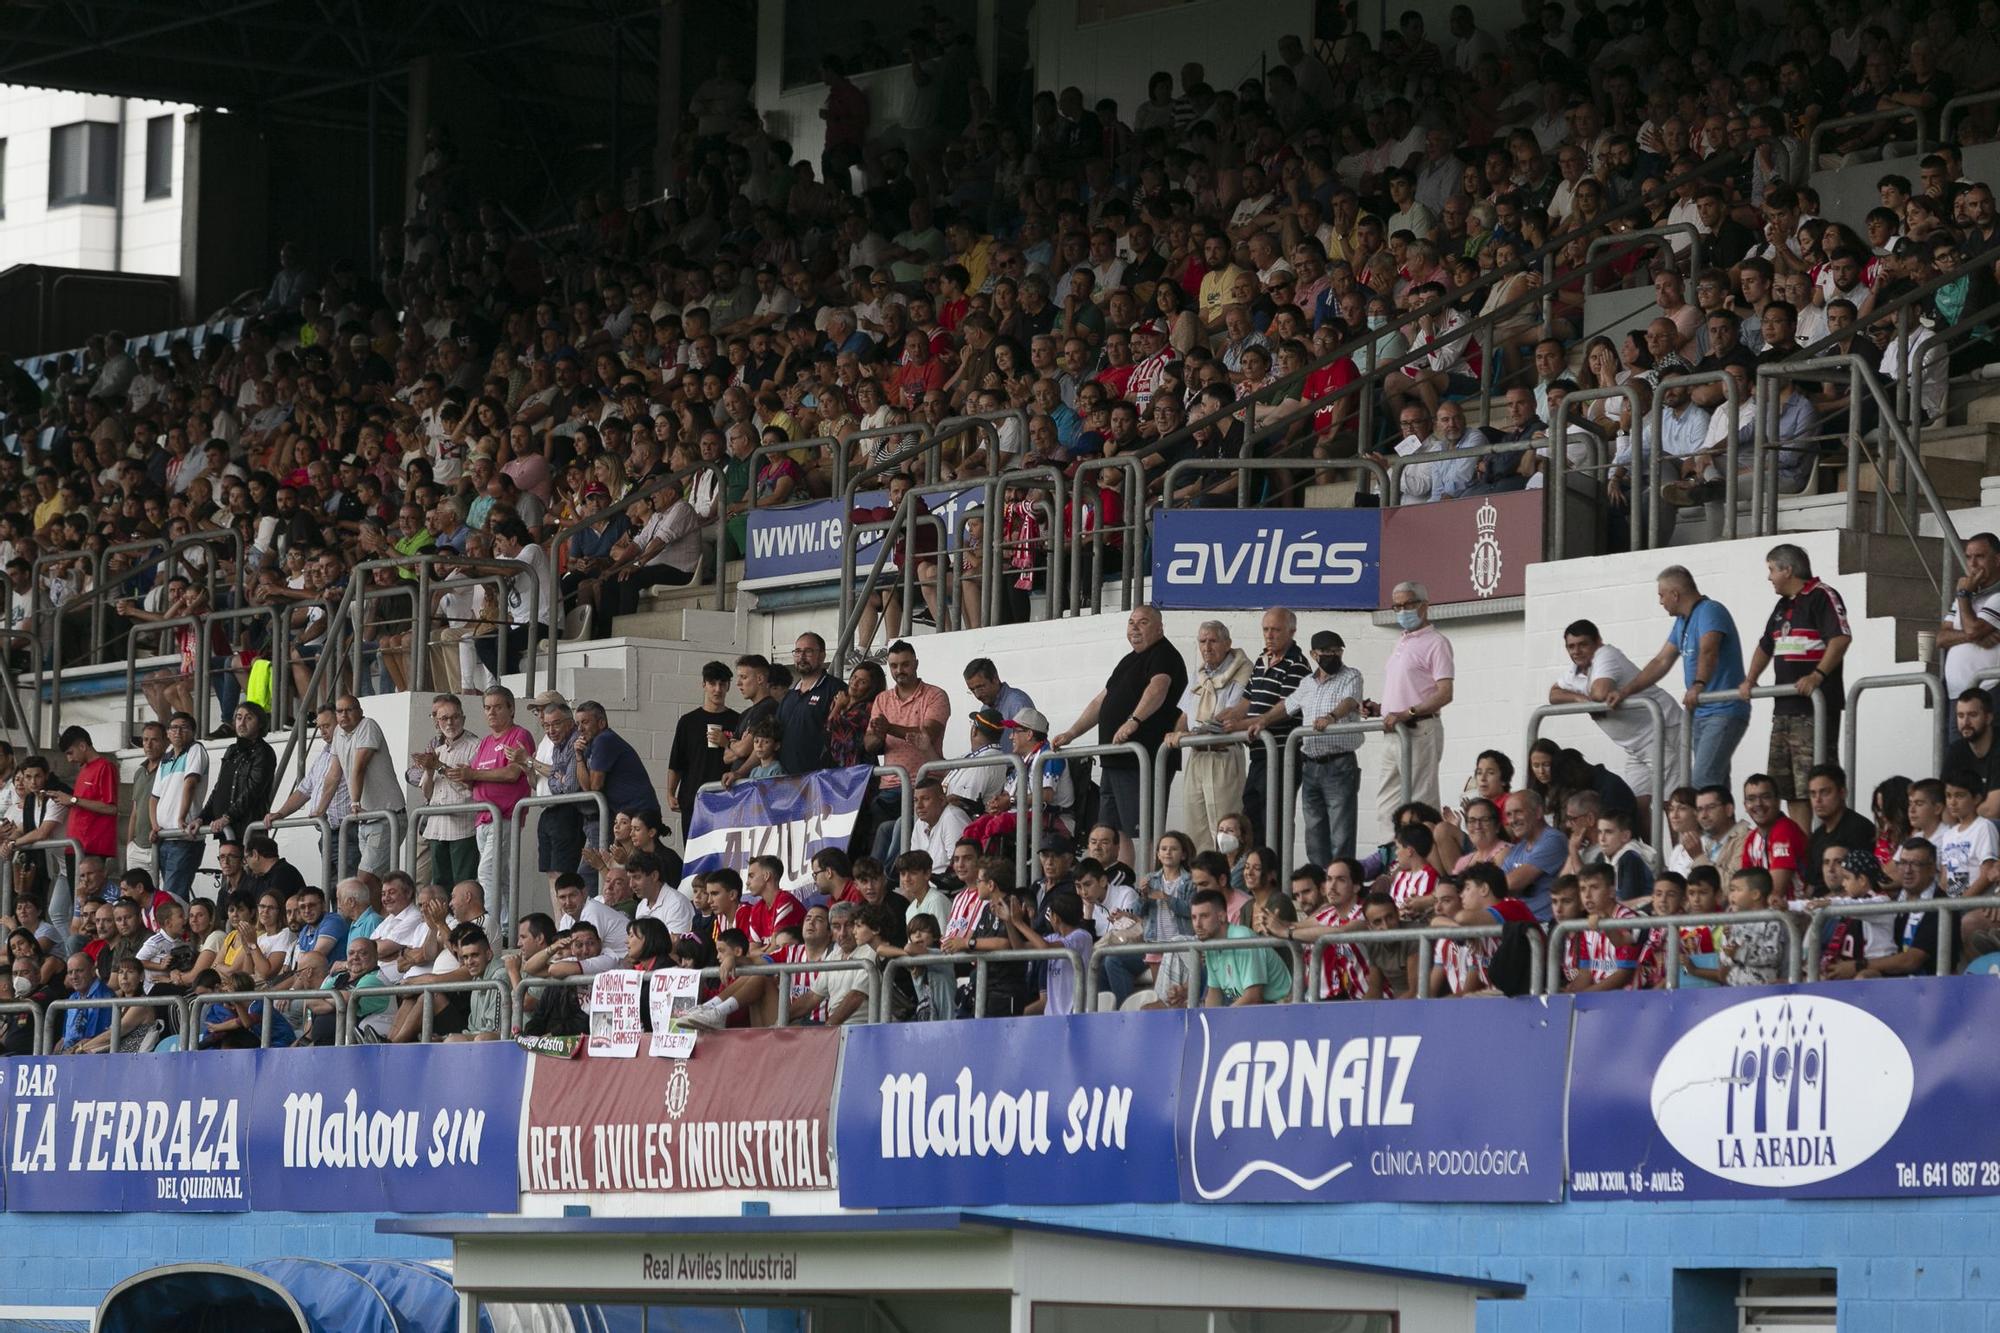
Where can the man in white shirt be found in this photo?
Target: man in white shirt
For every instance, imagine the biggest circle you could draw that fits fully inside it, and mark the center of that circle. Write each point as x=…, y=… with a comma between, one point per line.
x=970, y=788
x=1969, y=638
x=536, y=584
x=178, y=791
x=403, y=927
x=574, y=905
x=1597, y=670
x=938, y=824
x=663, y=902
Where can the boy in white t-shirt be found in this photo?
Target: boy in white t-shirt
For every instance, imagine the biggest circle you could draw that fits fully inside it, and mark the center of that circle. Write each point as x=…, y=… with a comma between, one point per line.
x=1967, y=847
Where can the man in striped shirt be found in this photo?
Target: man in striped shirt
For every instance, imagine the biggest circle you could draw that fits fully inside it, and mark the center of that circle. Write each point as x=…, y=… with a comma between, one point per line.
x=1343, y=971
x=1330, y=779
x=1607, y=959
x=1276, y=676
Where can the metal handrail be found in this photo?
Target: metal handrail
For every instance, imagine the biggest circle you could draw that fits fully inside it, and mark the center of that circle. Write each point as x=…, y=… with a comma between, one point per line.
x=1820, y=752
x=1294, y=752
x=1959, y=103
x=1657, y=750
x=1850, y=739
x=31, y=717
x=1662, y=231
x=901, y=528
x=1224, y=740
x=1198, y=948
x=270, y=999
x=1794, y=937
x=980, y=960
x=32, y=1010
x=1087, y=498
x=1538, y=950
x=1014, y=762
x=992, y=567
x=517, y=819
x=815, y=966
x=346, y=1021
x=417, y=814
x=1944, y=907
x=527, y=985
x=174, y=1004
x=1656, y=436
x=1125, y=749
x=199, y=685
x=1909, y=113
x=1559, y=439
x=70, y=846
x=101, y=591
x=328, y=841
x=281, y=681
x=1374, y=471
x=468, y=573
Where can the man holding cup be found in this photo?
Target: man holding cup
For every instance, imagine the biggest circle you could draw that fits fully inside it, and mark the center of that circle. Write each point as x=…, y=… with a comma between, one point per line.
x=699, y=739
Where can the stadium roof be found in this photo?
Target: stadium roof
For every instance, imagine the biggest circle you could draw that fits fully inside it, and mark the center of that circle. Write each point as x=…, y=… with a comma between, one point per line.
x=317, y=60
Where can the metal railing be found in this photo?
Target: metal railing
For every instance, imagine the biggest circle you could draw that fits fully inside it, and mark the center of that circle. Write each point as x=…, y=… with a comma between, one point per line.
x=1638, y=925
x=980, y=961
x=1294, y=755
x=1148, y=834
x=13, y=1011
x=1946, y=113
x=1656, y=749
x=1197, y=741
x=1087, y=518
x=1909, y=113
x=267, y=1013
x=1850, y=739
x=347, y=1020
x=781, y=971
x=1664, y=231
x=1295, y=954
x=1945, y=908
x=1655, y=438
x=1538, y=950
x=329, y=842
x=1560, y=437
x=528, y=985
x=1821, y=752
x=30, y=717
x=172, y=1004
x=1012, y=762
x=419, y=813
x=517, y=827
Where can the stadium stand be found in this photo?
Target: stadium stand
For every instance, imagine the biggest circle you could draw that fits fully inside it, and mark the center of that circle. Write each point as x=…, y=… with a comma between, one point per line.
x=1370, y=280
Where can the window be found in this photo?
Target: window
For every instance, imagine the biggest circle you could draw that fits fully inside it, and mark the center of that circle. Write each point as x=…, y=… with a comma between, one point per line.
x=83, y=163
x=1782, y=1301
x=159, y=157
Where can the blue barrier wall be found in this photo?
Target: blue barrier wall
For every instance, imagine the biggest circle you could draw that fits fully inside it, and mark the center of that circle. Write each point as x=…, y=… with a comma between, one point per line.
x=1905, y=1266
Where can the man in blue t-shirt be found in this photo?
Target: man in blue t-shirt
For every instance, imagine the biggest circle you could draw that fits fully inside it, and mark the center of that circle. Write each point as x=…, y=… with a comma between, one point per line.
x=80, y=1025
x=1537, y=854
x=1703, y=639
x=320, y=931
x=607, y=762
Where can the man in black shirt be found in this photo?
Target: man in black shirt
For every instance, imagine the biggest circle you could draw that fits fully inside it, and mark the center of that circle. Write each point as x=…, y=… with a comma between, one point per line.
x=1916, y=932
x=1838, y=824
x=1138, y=703
x=1974, y=750
x=802, y=713
x=267, y=872
x=693, y=762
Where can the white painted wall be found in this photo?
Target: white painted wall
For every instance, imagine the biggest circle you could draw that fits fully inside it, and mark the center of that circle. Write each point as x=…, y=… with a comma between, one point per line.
x=1115, y=58
x=76, y=235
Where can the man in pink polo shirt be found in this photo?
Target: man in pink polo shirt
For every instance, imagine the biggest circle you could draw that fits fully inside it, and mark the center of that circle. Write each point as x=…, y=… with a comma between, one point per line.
x=905, y=728
x=496, y=775
x=1416, y=687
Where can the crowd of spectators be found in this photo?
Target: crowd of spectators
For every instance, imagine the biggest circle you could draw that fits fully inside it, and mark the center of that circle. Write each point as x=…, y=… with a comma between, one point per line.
x=1124, y=280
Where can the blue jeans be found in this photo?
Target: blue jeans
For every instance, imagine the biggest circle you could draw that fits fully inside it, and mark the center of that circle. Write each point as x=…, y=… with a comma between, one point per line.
x=1121, y=973
x=179, y=859
x=1328, y=790
x=888, y=842
x=1715, y=741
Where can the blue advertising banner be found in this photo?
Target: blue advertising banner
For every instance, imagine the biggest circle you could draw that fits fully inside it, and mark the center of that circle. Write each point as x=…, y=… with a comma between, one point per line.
x=1009, y=1110
x=130, y=1133
x=793, y=819
x=1333, y=1103
x=400, y=1129
x=801, y=543
x=404, y=1129
x=1840, y=1090
x=1242, y=559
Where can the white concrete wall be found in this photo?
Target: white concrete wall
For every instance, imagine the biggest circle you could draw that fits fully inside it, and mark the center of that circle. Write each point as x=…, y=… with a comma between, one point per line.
x=78, y=235
x=1116, y=57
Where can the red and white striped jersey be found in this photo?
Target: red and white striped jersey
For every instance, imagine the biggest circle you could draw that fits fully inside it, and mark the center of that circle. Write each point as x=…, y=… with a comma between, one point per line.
x=1343, y=972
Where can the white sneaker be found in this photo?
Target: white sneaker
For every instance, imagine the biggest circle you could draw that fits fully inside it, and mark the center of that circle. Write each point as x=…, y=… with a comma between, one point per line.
x=707, y=1016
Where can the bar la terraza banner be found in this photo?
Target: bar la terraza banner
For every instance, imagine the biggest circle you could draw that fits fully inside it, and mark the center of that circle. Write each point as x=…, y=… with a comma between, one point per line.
x=1868, y=1090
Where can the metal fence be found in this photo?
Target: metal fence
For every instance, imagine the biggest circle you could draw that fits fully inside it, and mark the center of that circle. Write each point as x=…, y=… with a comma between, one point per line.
x=1944, y=908
x=1640, y=925
x=1656, y=750
x=981, y=961
x=517, y=826
x=1429, y=936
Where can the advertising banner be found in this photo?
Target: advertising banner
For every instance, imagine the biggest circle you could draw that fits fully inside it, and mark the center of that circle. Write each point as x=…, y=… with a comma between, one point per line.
x=615, y=1029
x=1468, y=550
x=801, y=543
x=407, y=1129
x=1241, y=559
x=1044, y=1110
x=1840, y=1090
x=403, y=1129
x=792, y=819
x=1343, y=1103
x=750, y=1111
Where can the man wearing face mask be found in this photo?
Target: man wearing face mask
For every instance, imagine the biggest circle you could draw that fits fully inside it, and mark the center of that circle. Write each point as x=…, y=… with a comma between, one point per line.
x=1417, y=686
x=1212, y=775
x=1330, y=777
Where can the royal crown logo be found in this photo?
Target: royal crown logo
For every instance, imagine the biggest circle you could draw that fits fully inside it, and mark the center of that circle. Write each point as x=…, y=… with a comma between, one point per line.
x=1486, y=558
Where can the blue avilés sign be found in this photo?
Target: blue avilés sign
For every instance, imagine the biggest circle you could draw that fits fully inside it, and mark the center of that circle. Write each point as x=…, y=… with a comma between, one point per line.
x=403, y=1129
x=1355, y=1102
x=1009, y=1110
x=1842, y=1090
x=802, y=542
x=1308, y=559
x=1325, y=1104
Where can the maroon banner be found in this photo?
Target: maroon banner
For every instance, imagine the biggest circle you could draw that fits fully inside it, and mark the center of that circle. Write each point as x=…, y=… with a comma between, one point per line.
x=750, y=1110
x=1469, y=550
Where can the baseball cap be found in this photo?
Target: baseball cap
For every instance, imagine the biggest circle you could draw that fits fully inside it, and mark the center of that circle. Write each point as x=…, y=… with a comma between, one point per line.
x=988, y=718
x=1055, y=842
x=545, y=699
x=1028, y=719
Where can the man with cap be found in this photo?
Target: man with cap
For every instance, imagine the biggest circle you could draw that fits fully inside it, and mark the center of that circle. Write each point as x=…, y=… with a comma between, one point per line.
x=1028, y=735
x=969, y=788
x=1057, y=858
x=1212, y=775
x=1330, y=776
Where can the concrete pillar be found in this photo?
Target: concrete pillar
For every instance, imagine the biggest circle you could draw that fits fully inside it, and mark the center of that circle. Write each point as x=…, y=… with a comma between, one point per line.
x=225, y=221
x=671, y=98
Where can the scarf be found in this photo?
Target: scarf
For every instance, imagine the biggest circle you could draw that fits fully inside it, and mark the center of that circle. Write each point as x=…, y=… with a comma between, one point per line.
x=1208, y=687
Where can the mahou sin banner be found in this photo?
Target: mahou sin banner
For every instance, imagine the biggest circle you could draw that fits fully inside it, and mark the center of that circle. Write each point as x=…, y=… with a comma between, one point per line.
x=749, y=1110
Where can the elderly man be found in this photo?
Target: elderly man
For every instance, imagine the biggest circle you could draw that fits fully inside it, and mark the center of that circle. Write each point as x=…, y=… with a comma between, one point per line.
x=454, y=854
x=1446, y=480
x=970, y=786
x=1596, y=673
x=361, y=756
x=1804, y=640
x=1213, y=775
x=1417, y=685
x=1536, y=852
x=1273, y=679
x=1136, y=705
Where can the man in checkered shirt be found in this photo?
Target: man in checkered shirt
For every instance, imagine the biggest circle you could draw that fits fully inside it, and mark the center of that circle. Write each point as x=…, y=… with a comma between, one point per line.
x=1330, y=776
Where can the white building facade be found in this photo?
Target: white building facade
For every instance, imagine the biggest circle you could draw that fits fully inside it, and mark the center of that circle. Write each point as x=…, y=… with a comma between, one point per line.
x=90, y=181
